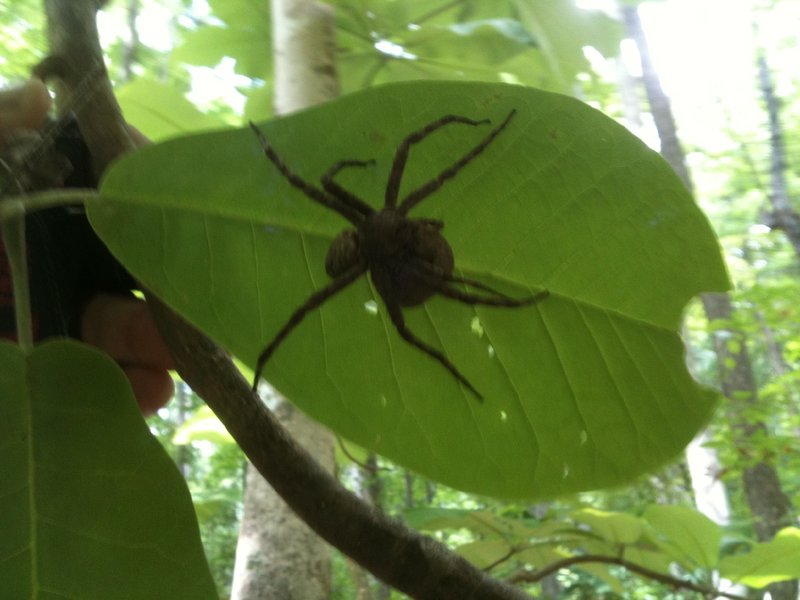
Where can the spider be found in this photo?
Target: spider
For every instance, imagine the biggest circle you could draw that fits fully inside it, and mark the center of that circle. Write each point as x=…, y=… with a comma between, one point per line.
x=408, y=259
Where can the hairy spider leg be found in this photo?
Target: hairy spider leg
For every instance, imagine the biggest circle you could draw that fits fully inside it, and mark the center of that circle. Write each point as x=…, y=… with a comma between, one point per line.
x=438, y=280
x=425, y=190
x=401, y=156
x=314, y=301
x=497, y=300
x=396, y=314
x=347, y=197
x=315, y=194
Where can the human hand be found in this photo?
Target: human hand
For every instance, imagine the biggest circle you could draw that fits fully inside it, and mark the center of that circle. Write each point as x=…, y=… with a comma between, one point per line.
x=123, y=328
x=119, y=325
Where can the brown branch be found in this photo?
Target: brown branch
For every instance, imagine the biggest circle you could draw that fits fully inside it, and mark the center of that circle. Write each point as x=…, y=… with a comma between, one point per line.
x=403, y=558
x=674, y=582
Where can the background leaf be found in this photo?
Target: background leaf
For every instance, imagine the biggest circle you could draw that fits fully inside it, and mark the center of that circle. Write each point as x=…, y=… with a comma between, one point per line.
x=613, y=527
x=173, y=116
x=586, y=389
x=686, y=534
x=777, y=560
x=90, y=505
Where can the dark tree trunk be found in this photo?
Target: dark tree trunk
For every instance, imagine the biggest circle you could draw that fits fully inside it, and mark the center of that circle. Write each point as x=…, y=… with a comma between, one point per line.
x=769, y=506
x=783, y=216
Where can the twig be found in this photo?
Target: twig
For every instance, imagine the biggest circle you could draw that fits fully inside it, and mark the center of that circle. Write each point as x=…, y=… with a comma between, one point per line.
x=536, y=576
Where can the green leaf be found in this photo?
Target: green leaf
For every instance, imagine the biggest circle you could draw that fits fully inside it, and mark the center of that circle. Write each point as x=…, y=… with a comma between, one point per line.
x=161, y=111
x=562, y=31
x=203, y=425
x=615, y=528
x=249, y=46
x=586, y=389
x=485, y=554
x=777, y=560
x=90, y=505
x=686, y=534
x=483, y=523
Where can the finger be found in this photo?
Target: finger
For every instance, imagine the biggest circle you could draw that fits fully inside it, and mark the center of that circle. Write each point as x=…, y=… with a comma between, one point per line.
x=122, y=327
x=153, y=388
x=25, y=107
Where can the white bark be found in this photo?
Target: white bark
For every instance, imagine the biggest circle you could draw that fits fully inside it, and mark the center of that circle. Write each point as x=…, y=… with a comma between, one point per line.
x=710, y=495
x=304, y=51
x=278, y=556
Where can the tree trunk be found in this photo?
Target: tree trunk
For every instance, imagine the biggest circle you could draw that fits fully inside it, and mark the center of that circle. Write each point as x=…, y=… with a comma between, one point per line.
x=278, y=555
x=768, y=504
x=783, y=216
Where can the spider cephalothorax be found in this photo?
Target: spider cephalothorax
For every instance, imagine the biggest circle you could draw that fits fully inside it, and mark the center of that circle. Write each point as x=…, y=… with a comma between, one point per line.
x=408, y=259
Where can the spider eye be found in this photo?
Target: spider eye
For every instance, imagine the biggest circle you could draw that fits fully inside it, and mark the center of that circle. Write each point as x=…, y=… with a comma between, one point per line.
x=343, y=253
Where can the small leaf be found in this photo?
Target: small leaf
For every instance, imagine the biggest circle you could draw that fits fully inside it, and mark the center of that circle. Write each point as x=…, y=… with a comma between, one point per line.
x=483, y=523
x=91, y=507
x=777, y=560
x=485, y=553
x=615, y=528
x=686, y=534
x=203, y=425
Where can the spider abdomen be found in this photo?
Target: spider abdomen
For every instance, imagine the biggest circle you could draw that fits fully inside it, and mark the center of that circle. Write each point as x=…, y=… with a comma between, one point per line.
x=406, y=257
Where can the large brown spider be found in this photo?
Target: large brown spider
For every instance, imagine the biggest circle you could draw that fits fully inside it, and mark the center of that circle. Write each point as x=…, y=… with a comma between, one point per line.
x=408, y=259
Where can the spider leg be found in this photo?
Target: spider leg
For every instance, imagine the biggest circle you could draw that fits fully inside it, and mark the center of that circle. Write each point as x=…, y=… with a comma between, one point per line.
x=422, y=192
x=317, y=195
x=401, y=156
x=396, y=314
x=438, y=280
x=314, y=301
x=497, y=299
x=345, y=196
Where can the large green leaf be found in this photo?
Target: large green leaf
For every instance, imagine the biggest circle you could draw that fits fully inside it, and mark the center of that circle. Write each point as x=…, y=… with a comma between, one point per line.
x=586, y=389
x=90, y=505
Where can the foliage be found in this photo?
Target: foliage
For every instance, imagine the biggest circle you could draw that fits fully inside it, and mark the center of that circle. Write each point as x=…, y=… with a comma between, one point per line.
x=535, y=43
x=76, y=456
x=662, y=539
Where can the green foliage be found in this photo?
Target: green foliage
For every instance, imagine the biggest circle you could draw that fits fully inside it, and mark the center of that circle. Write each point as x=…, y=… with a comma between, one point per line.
x=776, y=560
x=662, y=537
x=91, y=505
x=160, y=111
x=534, y=43
x=566, y=200
x=22, y=38
x=487, y=41
x=202, y=426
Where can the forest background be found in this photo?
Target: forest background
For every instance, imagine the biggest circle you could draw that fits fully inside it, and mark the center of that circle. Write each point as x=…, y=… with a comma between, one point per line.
x=179, y=67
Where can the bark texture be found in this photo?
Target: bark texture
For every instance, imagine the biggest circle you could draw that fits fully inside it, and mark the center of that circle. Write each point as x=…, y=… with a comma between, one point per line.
x=783, y=215
x=278, y=555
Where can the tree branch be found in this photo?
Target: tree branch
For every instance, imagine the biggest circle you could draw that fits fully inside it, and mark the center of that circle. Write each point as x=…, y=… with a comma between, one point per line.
x=674, y=582
x=414, y=564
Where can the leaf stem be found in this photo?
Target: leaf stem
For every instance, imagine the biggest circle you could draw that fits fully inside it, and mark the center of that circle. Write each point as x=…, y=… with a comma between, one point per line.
x=18, y=206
